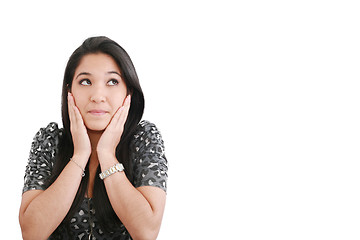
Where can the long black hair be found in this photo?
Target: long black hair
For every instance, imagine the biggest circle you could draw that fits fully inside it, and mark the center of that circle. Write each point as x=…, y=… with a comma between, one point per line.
x=104, y=211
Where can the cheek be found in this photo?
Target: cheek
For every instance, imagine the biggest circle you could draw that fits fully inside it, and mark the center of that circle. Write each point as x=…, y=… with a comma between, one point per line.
x=79, y=100
x=118, y=101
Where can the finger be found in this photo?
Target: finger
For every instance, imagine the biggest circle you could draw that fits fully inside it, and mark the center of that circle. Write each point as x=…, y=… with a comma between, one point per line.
x=125, y=112
x=71, y=109
x=119, y=112
x=78, y=116
x=115, y=119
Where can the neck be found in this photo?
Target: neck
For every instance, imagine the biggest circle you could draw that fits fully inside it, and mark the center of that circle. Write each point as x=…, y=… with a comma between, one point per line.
x=94, y=137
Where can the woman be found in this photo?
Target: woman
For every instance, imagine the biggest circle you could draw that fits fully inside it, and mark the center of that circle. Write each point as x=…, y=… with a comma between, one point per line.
x=103, y=176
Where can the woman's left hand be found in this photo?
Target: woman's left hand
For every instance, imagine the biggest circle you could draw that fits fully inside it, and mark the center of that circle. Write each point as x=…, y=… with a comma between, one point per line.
x=111, y=136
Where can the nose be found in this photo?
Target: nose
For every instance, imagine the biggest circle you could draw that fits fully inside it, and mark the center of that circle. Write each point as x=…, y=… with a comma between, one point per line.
x=98, y=95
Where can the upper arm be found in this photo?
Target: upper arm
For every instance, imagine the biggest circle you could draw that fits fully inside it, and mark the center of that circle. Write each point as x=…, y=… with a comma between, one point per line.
x=41, y=158
x=150, y=169
x=150, y=163
x=39, y=165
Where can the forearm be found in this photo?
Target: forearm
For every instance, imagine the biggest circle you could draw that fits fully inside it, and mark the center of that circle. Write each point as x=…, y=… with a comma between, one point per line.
x=46, y=211
x=130, y=205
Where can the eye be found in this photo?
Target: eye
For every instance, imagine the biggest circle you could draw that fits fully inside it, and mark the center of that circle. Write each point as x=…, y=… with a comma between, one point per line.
x=112, y=82
x=85, y=82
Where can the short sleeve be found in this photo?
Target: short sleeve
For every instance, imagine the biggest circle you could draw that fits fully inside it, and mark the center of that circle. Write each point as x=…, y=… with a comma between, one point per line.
x=41, y=157
x=148, y=153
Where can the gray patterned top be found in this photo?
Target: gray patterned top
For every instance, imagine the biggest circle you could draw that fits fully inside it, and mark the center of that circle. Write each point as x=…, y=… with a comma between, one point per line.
x=150, y=169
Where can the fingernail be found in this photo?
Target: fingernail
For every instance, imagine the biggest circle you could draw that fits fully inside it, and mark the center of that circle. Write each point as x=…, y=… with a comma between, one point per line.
x=128, y=98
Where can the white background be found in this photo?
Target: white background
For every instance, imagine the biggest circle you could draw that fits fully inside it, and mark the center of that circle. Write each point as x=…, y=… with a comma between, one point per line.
x=257, y=101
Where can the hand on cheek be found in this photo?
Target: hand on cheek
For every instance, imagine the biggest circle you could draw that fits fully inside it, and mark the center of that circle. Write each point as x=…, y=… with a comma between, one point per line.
x=112, y=134
x=82, y=145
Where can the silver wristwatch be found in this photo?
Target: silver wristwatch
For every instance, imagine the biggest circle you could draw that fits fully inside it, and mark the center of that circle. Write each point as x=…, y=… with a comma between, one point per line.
x=116, y=168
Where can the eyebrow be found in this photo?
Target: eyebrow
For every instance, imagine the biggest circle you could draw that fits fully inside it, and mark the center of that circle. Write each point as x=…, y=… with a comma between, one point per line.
x=87, y=73
x=114, y=72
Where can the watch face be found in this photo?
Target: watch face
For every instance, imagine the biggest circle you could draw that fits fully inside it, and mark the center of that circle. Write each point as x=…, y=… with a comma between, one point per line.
x=119, y=167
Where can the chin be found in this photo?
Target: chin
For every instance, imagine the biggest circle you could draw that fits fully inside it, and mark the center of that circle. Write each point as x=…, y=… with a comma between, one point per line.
x=97, y=126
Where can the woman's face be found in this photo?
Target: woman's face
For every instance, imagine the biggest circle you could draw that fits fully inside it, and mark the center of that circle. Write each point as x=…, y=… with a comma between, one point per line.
x=98, y=90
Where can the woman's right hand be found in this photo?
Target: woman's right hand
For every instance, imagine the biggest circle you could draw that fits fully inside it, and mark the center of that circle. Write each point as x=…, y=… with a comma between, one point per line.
x=82, y=145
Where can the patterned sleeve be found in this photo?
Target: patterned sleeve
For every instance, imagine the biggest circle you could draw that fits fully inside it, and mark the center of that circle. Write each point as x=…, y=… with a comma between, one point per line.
x=41, y=158
x=149, y=161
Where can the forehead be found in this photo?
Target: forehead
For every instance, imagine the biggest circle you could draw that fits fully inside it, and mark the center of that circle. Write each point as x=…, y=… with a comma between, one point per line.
x=97, y=63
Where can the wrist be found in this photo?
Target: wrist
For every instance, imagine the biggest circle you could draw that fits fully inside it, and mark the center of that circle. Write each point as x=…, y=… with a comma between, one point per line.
x=114, y=169
x=81, y=159
x=107, y=160
x=105, y=153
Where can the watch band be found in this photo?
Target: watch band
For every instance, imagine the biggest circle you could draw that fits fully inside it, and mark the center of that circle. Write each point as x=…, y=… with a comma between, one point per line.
x=116, y=168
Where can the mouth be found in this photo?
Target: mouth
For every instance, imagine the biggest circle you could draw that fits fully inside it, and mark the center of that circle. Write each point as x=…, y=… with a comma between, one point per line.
x=97, y=112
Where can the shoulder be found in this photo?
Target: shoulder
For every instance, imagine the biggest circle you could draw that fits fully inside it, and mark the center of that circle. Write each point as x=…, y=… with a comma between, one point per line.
x=52, y=129
x=47, y=137
x=146, y=127
x=146, y=133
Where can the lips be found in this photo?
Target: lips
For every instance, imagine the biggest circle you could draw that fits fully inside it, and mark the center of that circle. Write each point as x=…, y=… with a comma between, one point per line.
x=98, y=112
